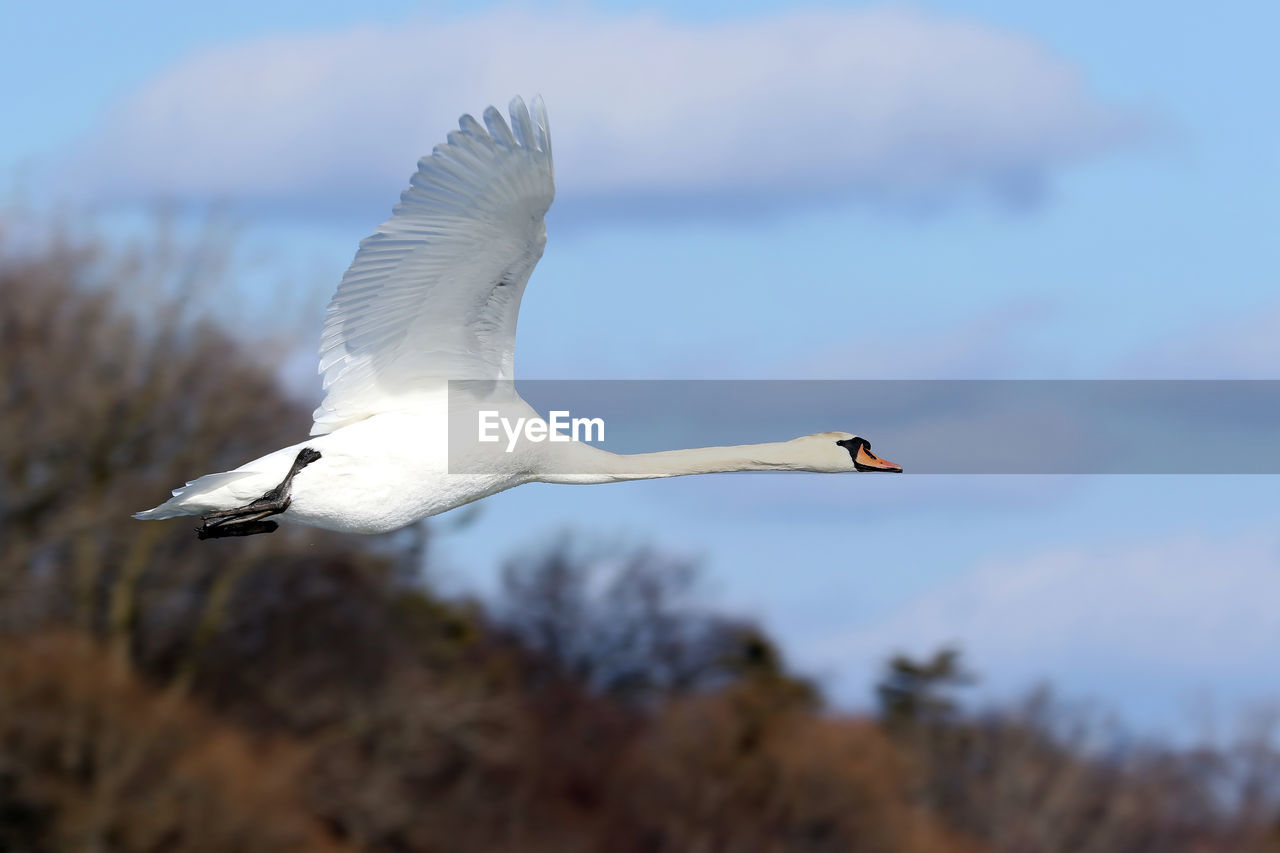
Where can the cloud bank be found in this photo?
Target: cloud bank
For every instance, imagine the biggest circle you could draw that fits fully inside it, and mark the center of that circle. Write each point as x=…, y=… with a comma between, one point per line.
x=1172, y=615
x=1244, y=346
x=648, y=115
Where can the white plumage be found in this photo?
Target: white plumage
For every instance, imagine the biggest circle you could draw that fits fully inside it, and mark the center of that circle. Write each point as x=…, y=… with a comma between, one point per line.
x=431, y=296
x=434, y=292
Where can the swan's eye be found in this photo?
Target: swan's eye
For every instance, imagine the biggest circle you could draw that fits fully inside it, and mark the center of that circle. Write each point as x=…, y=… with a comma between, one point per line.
x=853, y=445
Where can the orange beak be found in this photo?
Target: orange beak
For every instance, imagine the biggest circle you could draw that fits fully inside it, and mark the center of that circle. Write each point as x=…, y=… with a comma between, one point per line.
x=865, y=460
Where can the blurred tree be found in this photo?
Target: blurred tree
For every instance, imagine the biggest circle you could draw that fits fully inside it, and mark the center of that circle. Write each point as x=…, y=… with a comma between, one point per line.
x=920, y=692
x=115, y=390
x=624, y=623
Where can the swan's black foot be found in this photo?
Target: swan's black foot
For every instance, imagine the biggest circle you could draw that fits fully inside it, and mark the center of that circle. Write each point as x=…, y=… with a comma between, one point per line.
x=248, y=520
x=243, y=528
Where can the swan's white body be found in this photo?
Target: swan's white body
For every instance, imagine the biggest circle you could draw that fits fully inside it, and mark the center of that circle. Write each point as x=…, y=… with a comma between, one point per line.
x=373, y=476
x=434, y=295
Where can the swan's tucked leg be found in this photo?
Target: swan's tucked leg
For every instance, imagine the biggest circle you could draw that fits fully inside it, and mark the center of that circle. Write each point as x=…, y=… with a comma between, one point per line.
x=248, y=520
x=239, y=528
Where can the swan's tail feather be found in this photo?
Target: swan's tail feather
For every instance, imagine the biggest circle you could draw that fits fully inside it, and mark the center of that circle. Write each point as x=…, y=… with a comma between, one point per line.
x=204, y=494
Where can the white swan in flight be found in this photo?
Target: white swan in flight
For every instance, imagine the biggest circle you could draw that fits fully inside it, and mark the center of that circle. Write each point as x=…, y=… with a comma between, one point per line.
x=432, y=296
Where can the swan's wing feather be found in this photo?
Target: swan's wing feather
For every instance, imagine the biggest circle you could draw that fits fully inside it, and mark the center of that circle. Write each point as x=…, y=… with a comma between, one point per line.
x=434, y=293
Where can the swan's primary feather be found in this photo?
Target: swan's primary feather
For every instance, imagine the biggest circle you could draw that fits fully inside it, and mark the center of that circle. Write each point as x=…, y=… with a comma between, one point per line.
x=433, y=294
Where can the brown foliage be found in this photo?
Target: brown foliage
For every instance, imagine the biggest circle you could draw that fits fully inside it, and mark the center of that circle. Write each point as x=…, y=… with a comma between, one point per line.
x=409, y=706
x=752, y=769
x=92, y=759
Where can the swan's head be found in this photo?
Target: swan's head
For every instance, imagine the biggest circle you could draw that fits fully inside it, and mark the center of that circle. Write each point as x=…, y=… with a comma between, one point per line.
x=841, y=451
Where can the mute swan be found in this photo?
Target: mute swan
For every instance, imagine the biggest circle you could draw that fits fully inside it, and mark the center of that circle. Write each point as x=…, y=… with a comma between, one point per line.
x=431, y=296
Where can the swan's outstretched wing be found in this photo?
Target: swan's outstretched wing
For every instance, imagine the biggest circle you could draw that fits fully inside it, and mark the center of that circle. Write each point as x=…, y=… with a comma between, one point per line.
x=434, y=293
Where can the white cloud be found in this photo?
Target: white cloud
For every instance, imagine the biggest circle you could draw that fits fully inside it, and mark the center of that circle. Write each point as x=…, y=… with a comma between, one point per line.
x=1167, y=617
x=646, y=113
x=1245, y=346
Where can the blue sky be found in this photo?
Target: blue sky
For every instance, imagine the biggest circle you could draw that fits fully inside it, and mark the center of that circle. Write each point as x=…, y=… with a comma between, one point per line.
x=986, y=189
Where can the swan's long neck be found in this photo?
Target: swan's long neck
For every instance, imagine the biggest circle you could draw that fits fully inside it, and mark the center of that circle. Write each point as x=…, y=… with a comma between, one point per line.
x=584, y=464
